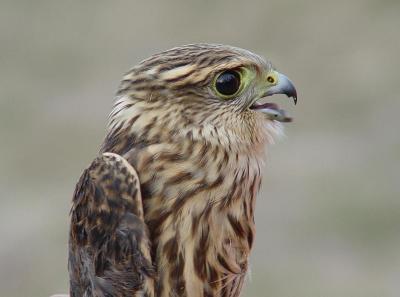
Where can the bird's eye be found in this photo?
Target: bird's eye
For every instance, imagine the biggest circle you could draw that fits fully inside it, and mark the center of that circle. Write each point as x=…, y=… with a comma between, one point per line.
x=228, y=83
x=270, y=79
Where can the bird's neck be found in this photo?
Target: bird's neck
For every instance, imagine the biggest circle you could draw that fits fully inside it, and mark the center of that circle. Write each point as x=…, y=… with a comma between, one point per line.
x=159, y=122
x=198, y=200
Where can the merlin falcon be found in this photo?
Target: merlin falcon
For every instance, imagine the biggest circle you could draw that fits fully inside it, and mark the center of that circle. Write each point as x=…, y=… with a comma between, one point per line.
x=167, y=207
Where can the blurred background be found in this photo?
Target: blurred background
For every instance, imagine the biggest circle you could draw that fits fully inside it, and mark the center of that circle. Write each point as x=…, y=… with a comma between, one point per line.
x=328, y=217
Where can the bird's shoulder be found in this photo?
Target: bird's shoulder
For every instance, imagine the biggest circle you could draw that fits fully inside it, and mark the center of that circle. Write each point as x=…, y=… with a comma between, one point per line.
x=108, y=246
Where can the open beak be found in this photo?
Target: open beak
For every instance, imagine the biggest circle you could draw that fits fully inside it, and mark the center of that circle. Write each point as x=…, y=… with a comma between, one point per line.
x=271, y=110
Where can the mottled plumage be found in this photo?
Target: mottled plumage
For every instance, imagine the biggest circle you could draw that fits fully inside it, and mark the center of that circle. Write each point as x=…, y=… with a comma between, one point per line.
x=167, y=209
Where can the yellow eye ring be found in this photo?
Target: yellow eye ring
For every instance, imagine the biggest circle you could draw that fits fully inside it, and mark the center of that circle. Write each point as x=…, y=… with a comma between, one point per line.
x=270, y=79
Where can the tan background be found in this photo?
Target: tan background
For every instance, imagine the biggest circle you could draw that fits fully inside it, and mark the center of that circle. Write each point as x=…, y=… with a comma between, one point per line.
x=328, y=217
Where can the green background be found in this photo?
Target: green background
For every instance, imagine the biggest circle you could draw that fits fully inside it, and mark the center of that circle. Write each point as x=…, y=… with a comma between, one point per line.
x=328, y=217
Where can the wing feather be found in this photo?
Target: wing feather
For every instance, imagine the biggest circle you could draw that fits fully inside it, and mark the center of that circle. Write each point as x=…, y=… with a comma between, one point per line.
x=109, y=248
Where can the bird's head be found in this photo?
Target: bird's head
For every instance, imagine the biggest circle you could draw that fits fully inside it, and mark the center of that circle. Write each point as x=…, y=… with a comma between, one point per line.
x=204, y=91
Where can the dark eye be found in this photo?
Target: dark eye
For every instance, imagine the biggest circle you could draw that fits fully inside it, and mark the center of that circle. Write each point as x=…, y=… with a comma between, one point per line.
x=228, y=82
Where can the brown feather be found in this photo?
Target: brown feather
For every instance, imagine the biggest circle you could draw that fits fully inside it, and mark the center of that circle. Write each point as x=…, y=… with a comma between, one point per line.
x=197, y=159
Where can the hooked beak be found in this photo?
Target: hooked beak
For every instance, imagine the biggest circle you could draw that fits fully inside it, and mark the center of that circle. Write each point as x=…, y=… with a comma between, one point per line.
x=272, y=110
x=284, y=86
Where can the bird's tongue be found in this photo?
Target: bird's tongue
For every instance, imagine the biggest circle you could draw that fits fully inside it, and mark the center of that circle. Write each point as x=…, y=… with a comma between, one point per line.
x=268, y=105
